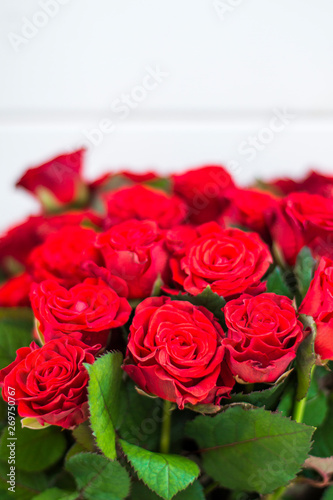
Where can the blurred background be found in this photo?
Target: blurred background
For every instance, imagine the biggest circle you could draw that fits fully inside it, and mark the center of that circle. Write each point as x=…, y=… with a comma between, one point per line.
x=165, y=85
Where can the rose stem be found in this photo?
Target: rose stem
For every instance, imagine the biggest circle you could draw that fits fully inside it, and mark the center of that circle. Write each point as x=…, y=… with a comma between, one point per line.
x=166, y=427
x=299, y=406
x=298, y=414
x=277, y=494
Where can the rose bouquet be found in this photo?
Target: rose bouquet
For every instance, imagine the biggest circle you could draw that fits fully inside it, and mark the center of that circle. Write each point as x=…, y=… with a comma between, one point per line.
x=167, y=337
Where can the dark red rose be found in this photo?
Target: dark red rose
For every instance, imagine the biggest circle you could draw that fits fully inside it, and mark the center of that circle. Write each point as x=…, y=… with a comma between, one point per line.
x=314, y=183
x=91, y=308
x=230, y=261
x=299, y=220
x=248, y=208
x=62, y=256
x=175, y=351
x=15, y=291
x=318, y=303
x=142, y=203
x=17, y=243
x=203, y=190
x=263, y=336
x=134, y=251
x=57, y=182
x=50, y=382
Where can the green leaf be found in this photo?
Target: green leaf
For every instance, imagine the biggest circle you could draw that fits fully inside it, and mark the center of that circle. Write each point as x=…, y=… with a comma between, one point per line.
x=34, y=450
x=15, y=332
x=103, y=395
x=328, y=495
x=304, y=270
x=305, y=358
x=98, y=478
x=27, y=486
x=164, y=474
x=56, y=494
x=208, y=299
x=323, y=436
x=193, y=492
x=316, y=404
x=142, y=417
x=268, y=397
x=248, y=449
x=161, y=183
x=276, y=284
x=83, y=435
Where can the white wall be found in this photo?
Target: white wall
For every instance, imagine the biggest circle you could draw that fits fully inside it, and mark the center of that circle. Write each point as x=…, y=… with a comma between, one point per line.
x=228, y=68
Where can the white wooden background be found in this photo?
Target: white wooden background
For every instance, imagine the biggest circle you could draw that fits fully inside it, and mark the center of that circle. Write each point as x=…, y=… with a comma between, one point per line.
x=227, y=70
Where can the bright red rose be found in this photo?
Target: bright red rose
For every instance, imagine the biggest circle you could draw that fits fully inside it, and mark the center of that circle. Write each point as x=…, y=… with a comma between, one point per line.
x=17, y=243
x=299, y=220
x=263, y=336
x=91, y=308
x=50, y=382
x=230, y=261
x=203, y=190
x=175, y=351
x=57, y=182
x=62, y=256
x=318, y=303
x=248, y=208
x=142, y=203
x=15, y=291
x=134, y=251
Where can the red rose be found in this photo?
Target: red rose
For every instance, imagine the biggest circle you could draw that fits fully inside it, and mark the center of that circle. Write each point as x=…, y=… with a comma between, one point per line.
x=50, y=382
x=15, y=291
x=134, y=252
x=230, y=261
x=300, y=219
x=248, y=208
x=58, y=181
x=204, y=192
x=175, y=351
x=17, y=243
x=263, y=336
x=108, y=182
x=318, y=303
x=91, y=308
x=141, y=202
x=63, y=255
x=314, y=183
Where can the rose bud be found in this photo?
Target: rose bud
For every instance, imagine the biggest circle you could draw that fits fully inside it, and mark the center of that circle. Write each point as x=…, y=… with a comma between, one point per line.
x=90, y=309
x=50, y=382
x=175, y=351
x=204, y=190
x=63, y=255
x=57, y=182
x=141, y=203
x=263, y=336
x=134, y=251
x=318, y=303
x=230, y=261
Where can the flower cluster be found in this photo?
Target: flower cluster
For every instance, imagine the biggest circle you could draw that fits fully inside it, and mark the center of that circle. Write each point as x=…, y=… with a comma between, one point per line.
x=135, y=262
